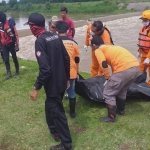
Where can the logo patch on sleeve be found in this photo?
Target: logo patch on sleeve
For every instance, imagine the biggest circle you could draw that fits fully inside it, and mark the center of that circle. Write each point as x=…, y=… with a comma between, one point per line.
x=38, y=53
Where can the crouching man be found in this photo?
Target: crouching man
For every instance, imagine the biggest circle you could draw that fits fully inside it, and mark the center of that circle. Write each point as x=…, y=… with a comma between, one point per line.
x=125, y=69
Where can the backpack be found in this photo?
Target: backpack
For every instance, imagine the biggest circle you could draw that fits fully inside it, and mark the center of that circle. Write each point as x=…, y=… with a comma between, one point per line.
x=7, y=33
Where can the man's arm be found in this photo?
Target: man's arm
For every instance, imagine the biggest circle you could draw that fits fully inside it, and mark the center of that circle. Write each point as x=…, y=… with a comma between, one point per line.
x=102, y=62
x=43, y=62
x=73, y=32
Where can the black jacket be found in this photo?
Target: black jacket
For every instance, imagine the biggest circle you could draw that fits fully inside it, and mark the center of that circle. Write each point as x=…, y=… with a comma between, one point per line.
x=54, y=64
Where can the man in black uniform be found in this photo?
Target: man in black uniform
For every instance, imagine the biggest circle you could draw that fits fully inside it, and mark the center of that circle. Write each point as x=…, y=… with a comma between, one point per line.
x=54, y=73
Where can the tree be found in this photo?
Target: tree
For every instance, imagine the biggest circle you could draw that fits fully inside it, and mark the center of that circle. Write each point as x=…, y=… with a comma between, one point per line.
x=12, y=2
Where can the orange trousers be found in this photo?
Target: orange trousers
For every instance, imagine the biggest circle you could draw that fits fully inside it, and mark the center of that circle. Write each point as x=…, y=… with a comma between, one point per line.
x=95, y=68
x=143, y=67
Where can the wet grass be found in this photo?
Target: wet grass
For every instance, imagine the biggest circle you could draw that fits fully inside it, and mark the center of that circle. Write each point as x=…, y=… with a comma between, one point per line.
x=23, y=126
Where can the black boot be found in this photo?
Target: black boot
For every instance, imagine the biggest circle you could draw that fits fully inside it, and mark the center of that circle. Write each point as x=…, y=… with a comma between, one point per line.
x=120, y=106
x=8, y=75
x=72, y=104
x=111, y=114
x=17, y=73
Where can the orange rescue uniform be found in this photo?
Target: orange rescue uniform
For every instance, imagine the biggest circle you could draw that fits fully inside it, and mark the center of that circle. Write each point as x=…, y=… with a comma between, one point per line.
x=144, y=48
x=73, y=51
x=118, y=58
x=95, y=69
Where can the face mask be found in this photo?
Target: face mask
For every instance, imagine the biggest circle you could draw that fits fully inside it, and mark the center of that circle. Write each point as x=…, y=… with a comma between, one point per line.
x=145, y=23
x=92, y=33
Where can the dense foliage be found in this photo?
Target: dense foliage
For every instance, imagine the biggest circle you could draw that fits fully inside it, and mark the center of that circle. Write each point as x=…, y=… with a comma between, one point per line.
x=53, y=6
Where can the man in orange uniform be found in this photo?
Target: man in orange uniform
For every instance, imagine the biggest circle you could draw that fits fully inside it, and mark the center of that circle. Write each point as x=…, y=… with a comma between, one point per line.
x=73, y=51
x=97, y=28
x=125, y=69
x=144, y=42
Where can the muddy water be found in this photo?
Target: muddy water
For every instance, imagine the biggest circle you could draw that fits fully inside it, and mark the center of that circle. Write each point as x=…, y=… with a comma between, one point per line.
x=124, y=33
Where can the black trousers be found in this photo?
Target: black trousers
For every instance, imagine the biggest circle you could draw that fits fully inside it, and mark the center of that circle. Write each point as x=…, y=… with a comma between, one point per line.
x=56, y=119
x=5, y=51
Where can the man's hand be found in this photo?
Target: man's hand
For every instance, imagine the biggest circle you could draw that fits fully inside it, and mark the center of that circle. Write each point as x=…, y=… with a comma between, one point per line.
x=68, y=85
x=86, y=48
x=33, y=94
x=147, y=61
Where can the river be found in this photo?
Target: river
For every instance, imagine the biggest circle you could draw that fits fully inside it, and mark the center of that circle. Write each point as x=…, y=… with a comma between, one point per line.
x=124, y=29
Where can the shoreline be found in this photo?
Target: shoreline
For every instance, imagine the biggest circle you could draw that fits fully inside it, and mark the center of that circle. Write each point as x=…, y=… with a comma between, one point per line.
x=27, y=32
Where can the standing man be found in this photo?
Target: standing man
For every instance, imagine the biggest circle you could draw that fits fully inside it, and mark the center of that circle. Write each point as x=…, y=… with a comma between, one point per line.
x=125, y=69
x=54, y=74
x=73, y=51
x=144, y=43
x=71, y=30
x=97, y=28
x=52, y=24
x=9, y=39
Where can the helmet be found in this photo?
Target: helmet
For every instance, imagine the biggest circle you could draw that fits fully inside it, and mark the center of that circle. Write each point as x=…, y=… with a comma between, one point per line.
x=145, y=15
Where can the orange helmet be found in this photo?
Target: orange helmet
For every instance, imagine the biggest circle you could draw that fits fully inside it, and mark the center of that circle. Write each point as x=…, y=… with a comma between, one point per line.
x=145, y=15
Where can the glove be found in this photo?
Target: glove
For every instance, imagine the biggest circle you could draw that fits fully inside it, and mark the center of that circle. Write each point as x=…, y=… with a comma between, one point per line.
x=86, y=48
x=105, y=82
x=147, y=61
x=139, y=55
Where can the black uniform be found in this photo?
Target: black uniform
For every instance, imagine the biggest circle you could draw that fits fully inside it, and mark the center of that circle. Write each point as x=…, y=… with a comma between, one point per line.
x=54, y=72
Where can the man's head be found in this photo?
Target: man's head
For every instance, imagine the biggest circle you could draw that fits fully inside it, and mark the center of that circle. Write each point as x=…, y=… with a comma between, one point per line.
x=36, y=19
x=62, y=27
x=97, y=27
x=2, y=17
x=96, y=41
x=145, y=18
x=52, y=24
x=63, y=12
x=37, y=24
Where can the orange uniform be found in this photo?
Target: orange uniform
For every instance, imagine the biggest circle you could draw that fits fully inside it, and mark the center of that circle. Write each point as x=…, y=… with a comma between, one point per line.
x=95, y=66
x=117, y=57
x=73, y=51
x=144, y=48
x=88, y=35
x=95, y=69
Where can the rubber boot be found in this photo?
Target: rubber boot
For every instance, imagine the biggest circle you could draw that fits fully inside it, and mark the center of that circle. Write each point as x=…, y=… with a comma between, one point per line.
x=111, y=114
x=8, y=75
x=72, y=104
x=120, y=106
x=17, y=73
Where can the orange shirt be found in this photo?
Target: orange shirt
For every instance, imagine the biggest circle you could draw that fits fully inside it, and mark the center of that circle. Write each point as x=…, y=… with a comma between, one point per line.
x=73, y=51
x=117, y=57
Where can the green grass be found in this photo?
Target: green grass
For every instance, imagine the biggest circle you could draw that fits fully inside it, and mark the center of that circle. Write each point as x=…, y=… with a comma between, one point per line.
x=23, y=125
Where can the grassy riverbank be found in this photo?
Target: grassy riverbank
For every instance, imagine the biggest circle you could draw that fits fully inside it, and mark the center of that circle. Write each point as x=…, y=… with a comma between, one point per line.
x=103, y=7
x=23, y=126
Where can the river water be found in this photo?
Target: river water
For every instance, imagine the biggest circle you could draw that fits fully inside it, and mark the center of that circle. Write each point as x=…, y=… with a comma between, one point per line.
x=124, y=30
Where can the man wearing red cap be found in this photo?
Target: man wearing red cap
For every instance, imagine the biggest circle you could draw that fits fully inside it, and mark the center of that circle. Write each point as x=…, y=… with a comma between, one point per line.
x=54, y=73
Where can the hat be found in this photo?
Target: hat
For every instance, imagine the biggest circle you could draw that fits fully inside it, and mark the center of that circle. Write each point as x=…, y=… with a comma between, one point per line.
x=144, y=19
x=54, y=18
x=36, y=19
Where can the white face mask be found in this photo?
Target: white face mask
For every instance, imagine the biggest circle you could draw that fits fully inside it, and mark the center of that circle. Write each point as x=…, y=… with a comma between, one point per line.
x=145, y=23
x=92, y=33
